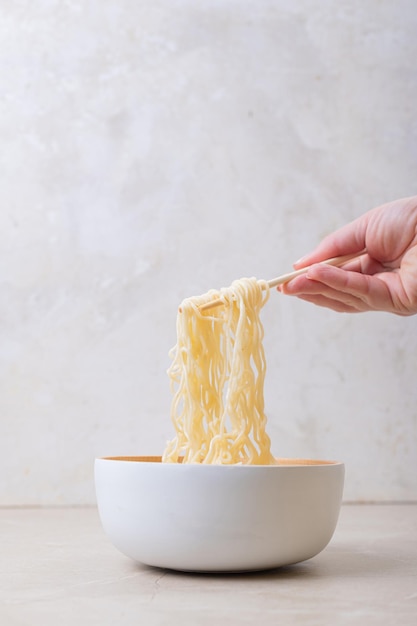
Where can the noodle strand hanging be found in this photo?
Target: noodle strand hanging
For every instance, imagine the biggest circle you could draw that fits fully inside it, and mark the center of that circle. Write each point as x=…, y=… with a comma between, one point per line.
x=217, y=379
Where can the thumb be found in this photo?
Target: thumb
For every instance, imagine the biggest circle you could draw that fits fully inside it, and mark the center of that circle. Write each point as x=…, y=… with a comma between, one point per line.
x=350, y=239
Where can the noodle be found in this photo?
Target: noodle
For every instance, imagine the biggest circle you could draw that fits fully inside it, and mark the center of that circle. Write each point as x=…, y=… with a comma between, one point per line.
x=217, y=378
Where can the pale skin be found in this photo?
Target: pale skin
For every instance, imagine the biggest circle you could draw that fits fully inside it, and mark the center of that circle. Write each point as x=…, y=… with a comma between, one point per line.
x=383, y=279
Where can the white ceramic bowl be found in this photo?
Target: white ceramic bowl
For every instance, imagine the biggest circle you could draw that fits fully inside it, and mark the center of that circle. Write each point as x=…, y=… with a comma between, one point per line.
x=218, y=517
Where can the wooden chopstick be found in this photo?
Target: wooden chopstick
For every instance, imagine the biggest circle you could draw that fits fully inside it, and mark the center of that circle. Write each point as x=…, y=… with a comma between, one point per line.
x=336, y=261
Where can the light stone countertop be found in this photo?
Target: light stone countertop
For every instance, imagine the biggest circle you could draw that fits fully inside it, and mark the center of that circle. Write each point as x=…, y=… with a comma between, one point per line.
x=58, y=568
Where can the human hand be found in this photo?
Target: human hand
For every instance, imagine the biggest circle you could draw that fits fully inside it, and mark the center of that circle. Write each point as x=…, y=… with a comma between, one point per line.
x=383, y=279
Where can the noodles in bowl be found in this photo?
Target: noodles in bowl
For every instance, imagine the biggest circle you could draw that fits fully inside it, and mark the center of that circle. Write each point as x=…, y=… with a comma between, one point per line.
x=218, y=500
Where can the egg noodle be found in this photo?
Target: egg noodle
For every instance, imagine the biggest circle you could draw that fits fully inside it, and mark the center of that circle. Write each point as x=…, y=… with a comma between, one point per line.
x=217, y=379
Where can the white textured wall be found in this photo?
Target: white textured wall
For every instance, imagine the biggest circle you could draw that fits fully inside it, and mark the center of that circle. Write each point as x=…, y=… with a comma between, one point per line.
x=151, y=150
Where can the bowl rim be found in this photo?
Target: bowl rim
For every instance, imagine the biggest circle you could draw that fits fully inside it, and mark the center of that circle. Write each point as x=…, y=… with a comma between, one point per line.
x=281, y=462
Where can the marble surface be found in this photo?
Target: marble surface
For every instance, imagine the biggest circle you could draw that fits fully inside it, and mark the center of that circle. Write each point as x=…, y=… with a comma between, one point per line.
x=152, y=150
x=57, y=566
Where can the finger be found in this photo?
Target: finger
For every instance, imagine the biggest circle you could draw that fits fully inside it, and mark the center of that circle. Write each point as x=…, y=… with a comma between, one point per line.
x=329, y=303
x=365, y=264
x=349, y=239
x=374, y=293
x=316, y=290
x=296, y=286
